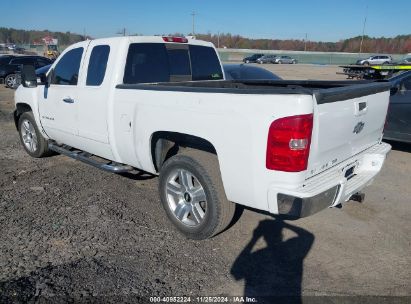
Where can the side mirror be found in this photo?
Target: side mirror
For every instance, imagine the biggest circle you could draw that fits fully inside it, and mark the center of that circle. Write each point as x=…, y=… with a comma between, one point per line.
x=28, y=76
x=42, y=77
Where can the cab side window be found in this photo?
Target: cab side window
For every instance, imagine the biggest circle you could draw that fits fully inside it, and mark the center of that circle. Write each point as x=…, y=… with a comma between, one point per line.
x=67, y=69
x=97, y=65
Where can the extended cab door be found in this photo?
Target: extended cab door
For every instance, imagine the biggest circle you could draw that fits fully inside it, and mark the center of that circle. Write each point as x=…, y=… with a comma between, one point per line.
x=58, y=101
x=94, y=91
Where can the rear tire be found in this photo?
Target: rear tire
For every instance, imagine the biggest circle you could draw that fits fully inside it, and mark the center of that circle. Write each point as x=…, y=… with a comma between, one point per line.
x=193, y=196
x=366, y=63
x=30, y=136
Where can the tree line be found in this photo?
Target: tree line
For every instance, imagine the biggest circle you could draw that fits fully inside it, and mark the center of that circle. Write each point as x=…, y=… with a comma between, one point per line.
x=397, y=45
x=11, y=35
x=400, y=44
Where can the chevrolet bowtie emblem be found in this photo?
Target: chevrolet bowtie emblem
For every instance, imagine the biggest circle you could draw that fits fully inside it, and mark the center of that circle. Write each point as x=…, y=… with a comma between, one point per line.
x=358, y=127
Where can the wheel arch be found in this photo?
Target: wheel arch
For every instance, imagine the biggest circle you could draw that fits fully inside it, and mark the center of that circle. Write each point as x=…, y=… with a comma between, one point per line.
x=165, y=144
x=21, y=108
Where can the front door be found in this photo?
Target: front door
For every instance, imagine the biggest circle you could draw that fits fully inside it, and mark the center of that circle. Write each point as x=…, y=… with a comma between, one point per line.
x=58, y=101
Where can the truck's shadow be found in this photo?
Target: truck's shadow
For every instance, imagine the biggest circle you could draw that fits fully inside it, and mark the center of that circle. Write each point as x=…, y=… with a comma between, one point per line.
x=137, y=175
x=277, y=269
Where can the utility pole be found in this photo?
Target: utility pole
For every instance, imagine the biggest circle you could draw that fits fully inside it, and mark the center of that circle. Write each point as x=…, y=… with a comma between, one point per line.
x=193, y=14
x=122, y=32
x=363, y=28
x=305, y=42
x=218, y=40
x=84, y=33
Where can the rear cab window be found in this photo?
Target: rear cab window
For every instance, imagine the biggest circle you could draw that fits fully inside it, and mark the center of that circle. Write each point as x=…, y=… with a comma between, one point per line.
x=160, y=62
x=97, y=65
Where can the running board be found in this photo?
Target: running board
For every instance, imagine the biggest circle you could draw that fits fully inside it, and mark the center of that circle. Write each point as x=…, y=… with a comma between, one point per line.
x=85, y=157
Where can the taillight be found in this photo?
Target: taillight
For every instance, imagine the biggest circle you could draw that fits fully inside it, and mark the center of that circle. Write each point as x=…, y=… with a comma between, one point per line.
x=288, y=144
x=175, y=39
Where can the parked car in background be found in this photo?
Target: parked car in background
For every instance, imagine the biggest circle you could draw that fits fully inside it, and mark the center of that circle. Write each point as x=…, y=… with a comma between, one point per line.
x=247, y=72
x=375, y=60
x=398, y=124
x=19, y=50
x=253, y=58
x=285, y=59
x=266, y=59
x=406, y=60
x=9, y=72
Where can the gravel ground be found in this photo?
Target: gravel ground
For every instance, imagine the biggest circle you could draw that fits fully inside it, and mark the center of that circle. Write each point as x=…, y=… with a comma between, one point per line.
x=70, y=232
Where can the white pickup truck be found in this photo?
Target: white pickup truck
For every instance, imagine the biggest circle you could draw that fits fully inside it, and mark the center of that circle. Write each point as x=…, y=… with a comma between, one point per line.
x=162, y=105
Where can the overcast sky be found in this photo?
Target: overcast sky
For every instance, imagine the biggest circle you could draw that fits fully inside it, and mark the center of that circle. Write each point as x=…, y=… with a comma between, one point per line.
x=322, y=20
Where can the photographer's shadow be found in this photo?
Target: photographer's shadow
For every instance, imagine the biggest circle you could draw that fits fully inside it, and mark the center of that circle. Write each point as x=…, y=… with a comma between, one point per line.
x=277, y=269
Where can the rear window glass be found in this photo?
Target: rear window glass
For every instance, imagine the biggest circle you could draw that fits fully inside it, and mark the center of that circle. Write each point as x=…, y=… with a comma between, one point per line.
x=204, y=63
x=97, y=65
x=146, y=62
x=156, y=62
x=179, y=62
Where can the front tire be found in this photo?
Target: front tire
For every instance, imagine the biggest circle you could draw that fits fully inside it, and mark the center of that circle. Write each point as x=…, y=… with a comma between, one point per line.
x=30, y=136
x=193, y=196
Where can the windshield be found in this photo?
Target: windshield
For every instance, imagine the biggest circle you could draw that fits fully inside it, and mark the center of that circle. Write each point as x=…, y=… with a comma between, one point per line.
x=5, y=59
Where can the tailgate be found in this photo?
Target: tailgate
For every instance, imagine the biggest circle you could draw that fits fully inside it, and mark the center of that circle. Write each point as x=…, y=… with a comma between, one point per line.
x=347, y=120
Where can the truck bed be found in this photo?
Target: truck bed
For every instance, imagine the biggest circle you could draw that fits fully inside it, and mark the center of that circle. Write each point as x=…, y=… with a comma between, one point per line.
x=324, y=91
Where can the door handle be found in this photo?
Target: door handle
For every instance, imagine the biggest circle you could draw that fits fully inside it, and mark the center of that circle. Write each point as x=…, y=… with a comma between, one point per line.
x=68, y=100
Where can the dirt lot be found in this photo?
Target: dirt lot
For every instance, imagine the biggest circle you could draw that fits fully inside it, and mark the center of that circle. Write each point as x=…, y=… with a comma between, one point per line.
x=76, y=233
